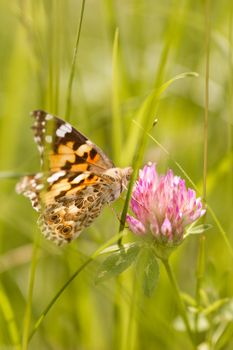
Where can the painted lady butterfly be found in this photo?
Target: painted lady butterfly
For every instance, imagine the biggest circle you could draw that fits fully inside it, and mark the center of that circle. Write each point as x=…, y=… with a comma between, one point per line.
x=76, y=181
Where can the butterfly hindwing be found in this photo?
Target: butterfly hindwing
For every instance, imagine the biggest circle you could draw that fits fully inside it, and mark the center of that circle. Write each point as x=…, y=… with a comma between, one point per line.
x=65, y=216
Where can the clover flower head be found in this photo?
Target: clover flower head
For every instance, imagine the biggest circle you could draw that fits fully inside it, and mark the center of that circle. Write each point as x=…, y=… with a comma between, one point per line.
x=162, y=206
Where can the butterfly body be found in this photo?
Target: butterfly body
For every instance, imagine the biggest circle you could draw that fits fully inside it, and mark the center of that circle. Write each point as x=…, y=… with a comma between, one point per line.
x=77, y=180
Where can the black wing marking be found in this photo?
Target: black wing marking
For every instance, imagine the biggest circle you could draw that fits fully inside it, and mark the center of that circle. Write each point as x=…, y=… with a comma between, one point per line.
x=63, y=147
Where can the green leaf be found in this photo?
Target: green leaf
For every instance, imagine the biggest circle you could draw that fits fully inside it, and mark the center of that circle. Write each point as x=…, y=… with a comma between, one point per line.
x=225, y=337
x=148, y=268
x=215, y=306
x=117, y=248
x=117, y=262
x=197, y=230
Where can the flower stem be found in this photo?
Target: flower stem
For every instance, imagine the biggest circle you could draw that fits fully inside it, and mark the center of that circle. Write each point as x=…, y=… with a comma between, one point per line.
x=179, y=299
x=132, y=326
x=199, y=277
x=117, y=334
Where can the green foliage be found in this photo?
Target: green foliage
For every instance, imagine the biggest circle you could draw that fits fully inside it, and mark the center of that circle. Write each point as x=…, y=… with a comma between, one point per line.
x=198, y=229
x=148, y=269
x=117, y=262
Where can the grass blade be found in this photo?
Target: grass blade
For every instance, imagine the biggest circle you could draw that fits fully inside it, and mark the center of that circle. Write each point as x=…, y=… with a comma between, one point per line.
x=117, y=131
x=73, y=64
x=9, y=316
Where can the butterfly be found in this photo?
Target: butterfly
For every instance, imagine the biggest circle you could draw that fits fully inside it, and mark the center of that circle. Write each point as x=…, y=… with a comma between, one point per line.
x=76, y=181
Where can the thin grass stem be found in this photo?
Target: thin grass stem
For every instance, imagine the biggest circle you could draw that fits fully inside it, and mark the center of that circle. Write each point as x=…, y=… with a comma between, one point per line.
x=50, y=49
x=57, y=50
x=117, y=131
x=206, y=117
x=9, y=316
x=201, y=248
x=180, y=302
x=73, y=64
x=27, y=316
x=230, y=112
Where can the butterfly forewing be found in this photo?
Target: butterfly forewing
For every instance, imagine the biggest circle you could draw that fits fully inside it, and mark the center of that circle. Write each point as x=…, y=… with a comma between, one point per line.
x=62, y=147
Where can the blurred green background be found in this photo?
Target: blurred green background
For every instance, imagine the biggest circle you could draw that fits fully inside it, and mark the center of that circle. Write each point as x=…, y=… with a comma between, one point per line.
x=157, y=41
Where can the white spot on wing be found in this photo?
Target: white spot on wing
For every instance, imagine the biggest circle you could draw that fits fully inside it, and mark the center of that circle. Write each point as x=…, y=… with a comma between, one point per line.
x=55, y=176
x=40, y=148
x=63, y=129
x=68, y=127
x=83, y=148
x=48, y=138
x=60, y=133
x=48, y=117
x=31, y=195
x=73, y=209
x=39, y=187
x=37, y=139
x=79, y=178
x=38, y=175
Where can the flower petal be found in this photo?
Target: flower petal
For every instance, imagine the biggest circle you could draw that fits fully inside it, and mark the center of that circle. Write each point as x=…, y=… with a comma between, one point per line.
x=166, y=228
x=135, y=225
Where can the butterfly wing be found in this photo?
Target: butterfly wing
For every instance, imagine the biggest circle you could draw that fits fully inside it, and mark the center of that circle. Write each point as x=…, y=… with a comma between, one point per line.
x=65, y=216
x=68, y=204
x=62, y=147
x=72, y=189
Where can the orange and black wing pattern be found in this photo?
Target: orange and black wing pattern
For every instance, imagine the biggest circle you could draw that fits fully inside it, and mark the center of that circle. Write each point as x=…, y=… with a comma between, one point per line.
x=62, y=147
